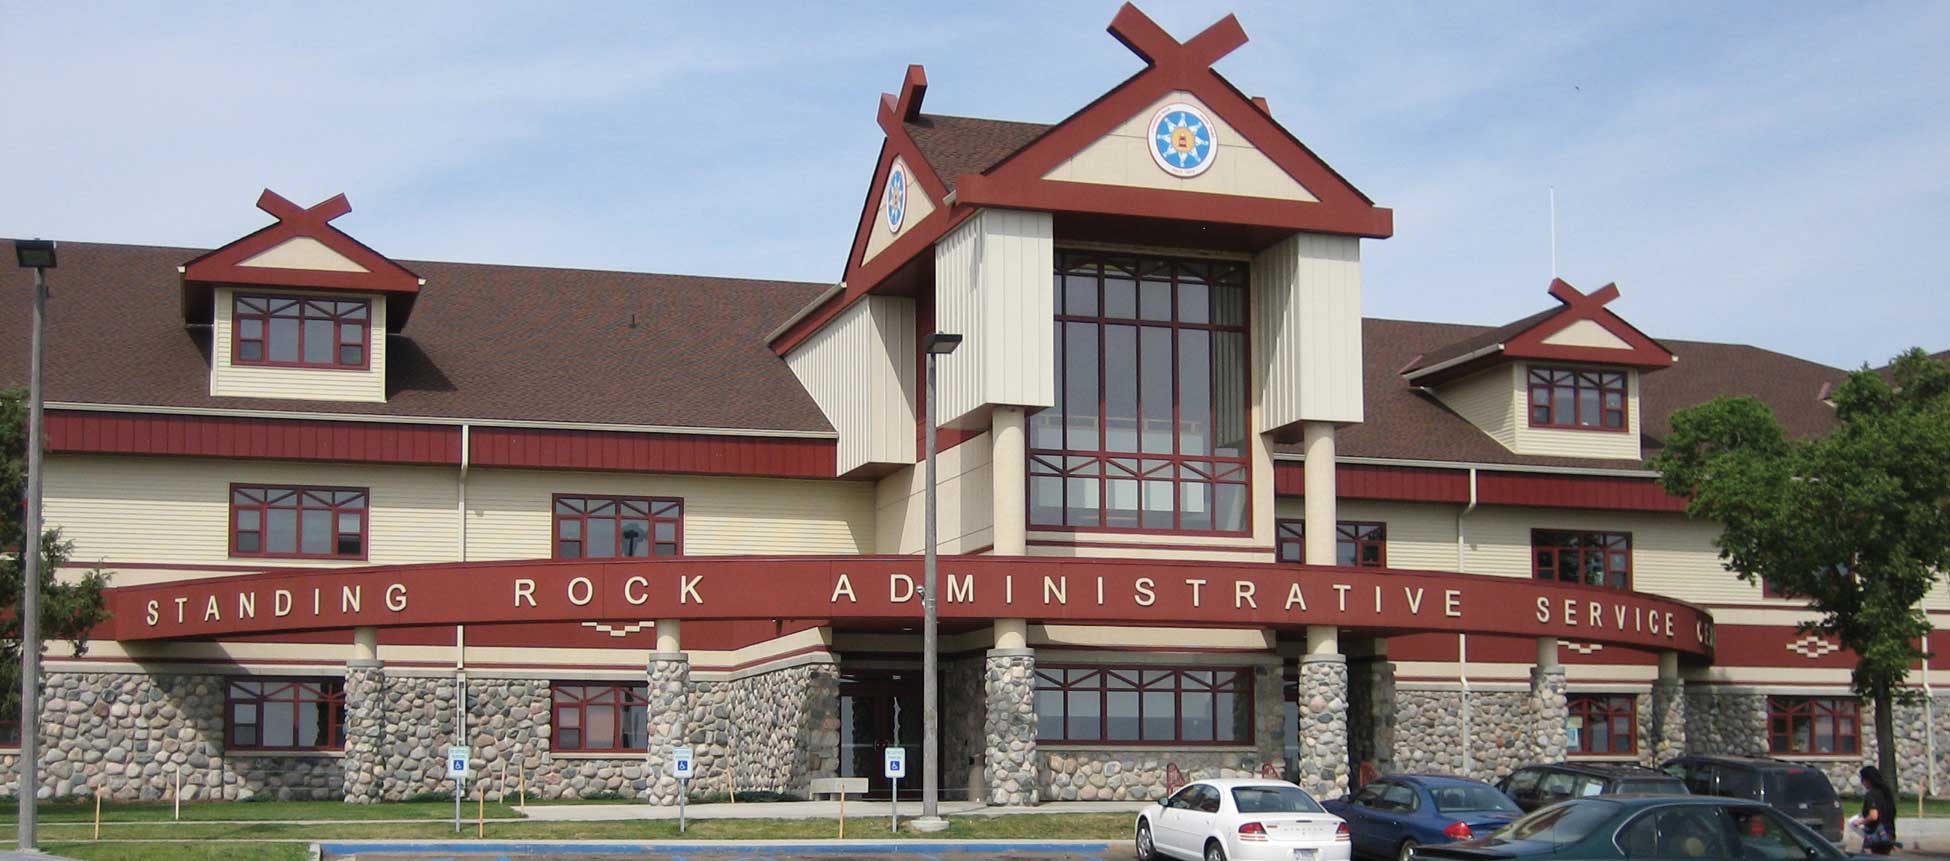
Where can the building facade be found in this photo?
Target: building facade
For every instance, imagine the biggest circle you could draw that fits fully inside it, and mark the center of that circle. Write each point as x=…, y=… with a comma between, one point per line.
x=1198, y=516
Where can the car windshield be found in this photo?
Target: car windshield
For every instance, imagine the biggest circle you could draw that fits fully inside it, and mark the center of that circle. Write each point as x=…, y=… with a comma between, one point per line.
x=1567, y=822
x=1796, y=785
x=1656, y=786
x=1274, y=799
x=1464, y=797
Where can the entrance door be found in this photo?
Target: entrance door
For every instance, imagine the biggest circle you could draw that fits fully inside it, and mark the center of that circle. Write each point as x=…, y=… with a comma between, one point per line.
x=880, y=709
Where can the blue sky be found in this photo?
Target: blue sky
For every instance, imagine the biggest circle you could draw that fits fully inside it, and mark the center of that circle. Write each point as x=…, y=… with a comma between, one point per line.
x=1770, y=173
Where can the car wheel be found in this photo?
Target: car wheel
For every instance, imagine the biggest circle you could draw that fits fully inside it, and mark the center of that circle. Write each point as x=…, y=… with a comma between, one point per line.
x=1406, y=850
x=1214, y=852
x=1146, y=850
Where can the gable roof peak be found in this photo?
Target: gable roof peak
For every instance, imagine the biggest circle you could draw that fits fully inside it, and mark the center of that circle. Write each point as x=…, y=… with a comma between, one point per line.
x=300, y=250
x=1580, y=330
x=1136, y=31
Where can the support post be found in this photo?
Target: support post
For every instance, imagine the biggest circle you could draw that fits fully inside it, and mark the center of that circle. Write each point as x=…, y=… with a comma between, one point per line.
x=930, y=819
x=1323, y=698
x=1009, y=689
x=1319, y=500
x=1549, y=708
x=364, y=762
x=27, y=792
x=669, y=676
x=1668, y=727
x=1009, y=471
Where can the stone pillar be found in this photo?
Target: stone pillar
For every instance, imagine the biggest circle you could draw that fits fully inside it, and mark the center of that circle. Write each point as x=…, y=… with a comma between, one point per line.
x=1371, y=709
x=1319, y=501
x=1009, y=472
x=669, y=676
x=1323, y=714
x=364, y=761
x=1666, y=731
x=1548, y=709
x=1009, y=693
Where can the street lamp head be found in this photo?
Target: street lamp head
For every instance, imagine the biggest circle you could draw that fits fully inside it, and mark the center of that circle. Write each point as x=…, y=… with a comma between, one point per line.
x=941, y=343
x=34, y=253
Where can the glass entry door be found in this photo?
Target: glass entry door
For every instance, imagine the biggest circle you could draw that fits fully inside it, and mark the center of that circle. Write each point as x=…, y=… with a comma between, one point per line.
x=880, y=709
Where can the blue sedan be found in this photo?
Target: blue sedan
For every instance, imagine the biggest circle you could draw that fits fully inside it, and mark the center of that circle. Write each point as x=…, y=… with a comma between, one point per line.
x=1391, y=816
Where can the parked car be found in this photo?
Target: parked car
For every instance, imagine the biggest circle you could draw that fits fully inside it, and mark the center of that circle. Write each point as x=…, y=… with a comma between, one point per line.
x=1639, y=826
x=1796, y=790
x=1391, y=816
x=1247, y=820
x=1535, y=786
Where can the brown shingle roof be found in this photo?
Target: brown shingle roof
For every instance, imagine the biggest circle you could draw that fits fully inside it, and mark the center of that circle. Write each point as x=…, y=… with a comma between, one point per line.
x=1481, y=340
x=955, y=146
x=488, y=342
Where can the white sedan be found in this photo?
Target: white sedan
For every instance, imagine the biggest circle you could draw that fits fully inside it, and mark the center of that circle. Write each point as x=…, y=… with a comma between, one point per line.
x=1242, y=820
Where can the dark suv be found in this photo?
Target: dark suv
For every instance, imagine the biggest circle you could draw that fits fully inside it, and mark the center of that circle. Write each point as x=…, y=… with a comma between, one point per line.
x=1796, y=790
x=1535, y=786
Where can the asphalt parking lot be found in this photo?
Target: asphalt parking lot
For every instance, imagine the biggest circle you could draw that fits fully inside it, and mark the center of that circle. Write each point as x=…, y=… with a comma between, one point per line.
x=828, y=852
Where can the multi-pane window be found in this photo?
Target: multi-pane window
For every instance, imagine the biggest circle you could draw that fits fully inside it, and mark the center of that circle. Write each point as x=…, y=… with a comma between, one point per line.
x=1149, y=427
x=1813, y=725
x=617, y=527
x=1591, y=558
x=1563, y=398
x=1602, y=724
x=308, y=522
x=304, y=331
x=1357, y=544
x=285, y=714
x=601, y=717
x=1142, y=705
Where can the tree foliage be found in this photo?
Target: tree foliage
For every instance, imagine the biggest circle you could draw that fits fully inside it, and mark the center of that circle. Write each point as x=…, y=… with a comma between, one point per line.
x=68, y=610
x=1856, y=522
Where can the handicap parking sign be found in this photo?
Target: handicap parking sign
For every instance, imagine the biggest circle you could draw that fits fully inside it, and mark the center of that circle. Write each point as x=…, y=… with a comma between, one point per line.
x=681, y=763
x=896, y=762
x=457, y=756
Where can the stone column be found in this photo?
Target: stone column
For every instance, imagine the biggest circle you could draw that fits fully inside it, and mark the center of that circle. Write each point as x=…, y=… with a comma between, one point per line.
x=669, y=676
x=1009, y=478
x=1666, y=729
x=1319, y=501
x=1009, y=693
x=364, y=761
x=1548, y=709
x=1323, y=714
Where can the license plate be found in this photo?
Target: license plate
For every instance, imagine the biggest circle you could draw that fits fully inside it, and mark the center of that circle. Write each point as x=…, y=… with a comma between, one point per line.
x=1303, y=855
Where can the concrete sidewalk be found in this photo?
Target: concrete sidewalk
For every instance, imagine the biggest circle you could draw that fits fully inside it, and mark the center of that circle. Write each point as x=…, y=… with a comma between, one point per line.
x=806, y=810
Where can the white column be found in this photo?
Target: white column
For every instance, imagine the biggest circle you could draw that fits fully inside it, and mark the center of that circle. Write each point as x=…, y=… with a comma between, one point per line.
x=1012, y=633
x=1009, y=466
x=1547, y=654
x=670, y=636
x=365, y=644
x=1318, y=438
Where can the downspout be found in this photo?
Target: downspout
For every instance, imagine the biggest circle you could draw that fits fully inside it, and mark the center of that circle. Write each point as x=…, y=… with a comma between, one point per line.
x=1462, y=640
x=460, y=553
x=1929, y=721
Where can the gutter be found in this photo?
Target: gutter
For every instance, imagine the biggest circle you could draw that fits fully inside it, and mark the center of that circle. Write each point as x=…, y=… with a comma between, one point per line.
x=1462, y=640
x=803, y=313
x=1474, y=465
x=443, y=421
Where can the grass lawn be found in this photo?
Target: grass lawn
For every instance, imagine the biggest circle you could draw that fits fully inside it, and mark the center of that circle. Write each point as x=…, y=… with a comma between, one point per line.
x=256, y=811
x=181, y=851
x=1059, y=826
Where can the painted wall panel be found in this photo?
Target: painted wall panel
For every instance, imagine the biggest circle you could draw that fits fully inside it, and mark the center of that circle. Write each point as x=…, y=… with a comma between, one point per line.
x=1421, y=535
x=1123, y=158
x=177, y=510
x=304, y=384
x=919, y=206
x=860, y=371
x=966, y=519
x=995, y=286
x=1306, y=308
x=1587, y=333
x=508, y=512
x=92, y=432
x=1489, y=400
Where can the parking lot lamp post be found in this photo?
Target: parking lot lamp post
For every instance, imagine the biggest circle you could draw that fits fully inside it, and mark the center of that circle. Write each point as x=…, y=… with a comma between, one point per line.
x=38, y=255
x=936, y=345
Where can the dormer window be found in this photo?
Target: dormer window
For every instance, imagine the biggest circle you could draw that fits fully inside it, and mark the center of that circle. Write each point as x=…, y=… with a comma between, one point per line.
x=301, y=331
x=1579, y=400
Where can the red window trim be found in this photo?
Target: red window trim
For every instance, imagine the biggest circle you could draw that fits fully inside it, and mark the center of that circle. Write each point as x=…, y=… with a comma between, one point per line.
x=1781, y=711
x=331, y=692
x=1291, y=532
x=1174, y=460
x=236, y=334
x=556, y=517
x=1539, y=571
x=617, y=695
x=1604, y=707
x=365, y=522
x=1624, y=390
x=1242, y=686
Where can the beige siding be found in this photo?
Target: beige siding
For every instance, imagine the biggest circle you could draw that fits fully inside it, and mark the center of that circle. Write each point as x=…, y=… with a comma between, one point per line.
x=508, y=512
x=995, y=286
x=1578, y=443
x=177, y=510
x=966, y=519
x=302, y=252
x=1306, y=308
x=919, y=206
x=1421, y=535
x=302, y=384
x=1672, y=555
x=1123, y=158
x=860, y=370
x=1489, y=400
x=1587, y=333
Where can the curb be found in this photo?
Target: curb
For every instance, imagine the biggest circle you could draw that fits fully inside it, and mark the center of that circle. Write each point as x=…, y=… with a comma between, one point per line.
x=343, y=847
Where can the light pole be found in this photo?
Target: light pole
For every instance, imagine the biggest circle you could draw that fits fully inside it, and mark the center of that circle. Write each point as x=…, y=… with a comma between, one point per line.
x=936, y=345
x=38, y=255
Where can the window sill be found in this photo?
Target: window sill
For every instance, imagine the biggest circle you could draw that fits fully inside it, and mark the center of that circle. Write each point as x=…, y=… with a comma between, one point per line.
x=1818, y=757
x=599, y=754
x=1152, y=747
x=284, y=754
x=1602, y=757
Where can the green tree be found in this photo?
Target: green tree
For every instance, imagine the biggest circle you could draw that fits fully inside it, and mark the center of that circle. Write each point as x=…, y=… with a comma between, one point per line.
x=1856, y=522
x=68, y=610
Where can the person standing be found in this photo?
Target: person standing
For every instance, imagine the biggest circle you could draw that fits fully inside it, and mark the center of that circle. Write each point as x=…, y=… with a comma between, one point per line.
x=1878, y=812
